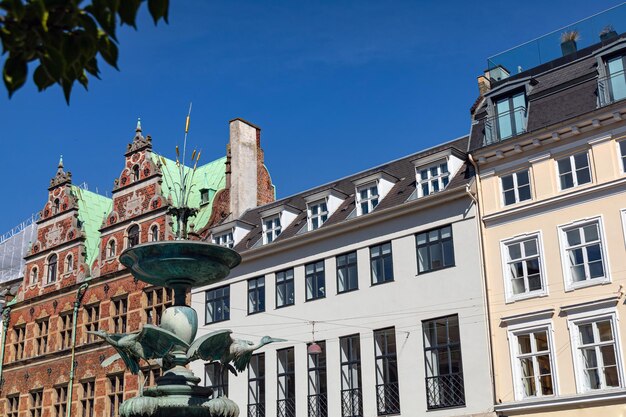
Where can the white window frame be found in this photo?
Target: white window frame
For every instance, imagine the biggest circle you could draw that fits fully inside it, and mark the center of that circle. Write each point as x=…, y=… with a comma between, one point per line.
x=274, y=231
x=574, y=320
x=509, y=295
x=526, y=328
x=369, y=199
x=515, y=187
x=623, y=211
x=570, y=285
x=439, y=179
x=225, y=238
x=573, y=170
x=621, y=156
x=321, y=216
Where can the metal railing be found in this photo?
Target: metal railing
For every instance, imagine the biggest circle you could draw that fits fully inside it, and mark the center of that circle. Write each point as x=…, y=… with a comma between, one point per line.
x=505, y=125
x=388, y=398
x=256, y=410
x=445, y=391
x=611, y=88
x=318, y=405
x=286, y=407
x=351, y=403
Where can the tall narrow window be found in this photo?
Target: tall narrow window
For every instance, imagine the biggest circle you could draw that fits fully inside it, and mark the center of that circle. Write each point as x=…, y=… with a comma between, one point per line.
x=56, y=206
x=271, y=229
x=574, y=170
x=152, y=374
x=13, y=405
x=111, y=249
x=622, y=151
x=133, y=236
x=217, y=305
x=19, y=333
x=87, y=393
x=284, y=288
x=432, y=179
x=135, y=173
x=515, y=187
x=65, y=333
x=444, y=370
x=511, y=115
x=534, y=363
x=318, y=400
x=60, y=401
x=315, y=280
x=435, y=249
x=256, y=386
x=286, y=404
x=156, y=301
x=347, y=273
x=597, y=362
x=387, y=392
x=256, y=295
x=34, y=275
x=91, y=320
x=523, y=267
x=154, y=233
x=41, y=339
x=617, y=81
x=367, y=198
x=381, y=261
x=69, y=263
x=216, y=377
x=115, y=394
x=36, y=403
x=584, y=253
x=52, y=268
x=351, y=395
x=318, y=214
x=120, y=310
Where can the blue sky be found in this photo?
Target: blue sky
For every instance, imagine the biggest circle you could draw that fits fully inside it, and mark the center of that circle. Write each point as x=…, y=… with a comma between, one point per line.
x=336, y=86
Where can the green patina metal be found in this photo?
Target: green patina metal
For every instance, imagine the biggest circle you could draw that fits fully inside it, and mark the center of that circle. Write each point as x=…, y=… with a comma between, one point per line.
x=92, y=209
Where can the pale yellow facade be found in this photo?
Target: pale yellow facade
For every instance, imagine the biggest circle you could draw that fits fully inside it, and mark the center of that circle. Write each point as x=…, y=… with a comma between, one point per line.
x=543, y=327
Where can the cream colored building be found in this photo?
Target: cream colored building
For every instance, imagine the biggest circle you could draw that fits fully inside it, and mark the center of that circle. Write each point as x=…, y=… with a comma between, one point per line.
x=550, y=149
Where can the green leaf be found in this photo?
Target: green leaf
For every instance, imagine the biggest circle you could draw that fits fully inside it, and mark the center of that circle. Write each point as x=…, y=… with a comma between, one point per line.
x=14, y=73
x=67, y=89
x=42, y=79
x=53, y=62
x=128, y=12
x=109, y=51
x=159, y=9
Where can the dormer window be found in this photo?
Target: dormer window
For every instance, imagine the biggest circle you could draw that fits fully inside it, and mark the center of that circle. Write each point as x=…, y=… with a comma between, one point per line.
x=367, y=196
x=275, y=220
x=318, y=214
x=617, y=80
x=433, y=178
x=271, y=229
x=510, y=115
x=370, y=190
x=321, y=205
x=135, y=173
x=224, y=239
x=204, y=196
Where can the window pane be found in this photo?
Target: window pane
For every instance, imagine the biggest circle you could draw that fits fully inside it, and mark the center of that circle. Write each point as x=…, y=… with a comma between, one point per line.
x=507, y=182
x=524, y=193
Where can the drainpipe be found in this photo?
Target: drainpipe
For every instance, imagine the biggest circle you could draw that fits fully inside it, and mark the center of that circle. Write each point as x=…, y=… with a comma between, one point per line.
x=481, y=244
x=6, y=316
x=79, y=296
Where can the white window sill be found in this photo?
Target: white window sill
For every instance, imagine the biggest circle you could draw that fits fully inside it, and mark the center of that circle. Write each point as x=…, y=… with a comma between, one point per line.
x=510, y=299
x=575, y=400
x=569, y=286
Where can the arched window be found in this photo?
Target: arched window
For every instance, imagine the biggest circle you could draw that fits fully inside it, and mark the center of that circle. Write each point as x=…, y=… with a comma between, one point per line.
x=34, y=275
x=111, y=249
x=69, y=263
x=52, y=269
x=154, y=233
x=135, y=173
x=56, y=204
x=133, y=236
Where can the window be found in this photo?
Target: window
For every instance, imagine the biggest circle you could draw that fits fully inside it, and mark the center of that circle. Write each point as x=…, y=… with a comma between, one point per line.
x=515, y=187
x=584, y=258
x=256, y=386
x=596, y=351
x=34, y=275
x=204, y=196
x=156, y=301
x=256, y=295
x=284, y=288
x=271, y=229
x=622, y=152
x=60, y=401
x=347, y=273
x=315, y=280
x=13, y=405
x=224, y=239
x=69, y=263
x=533, y=363
x=217, y=305
x=432, y=179
x=65, y=326
x=152, y=374
x=367, y=198
x=574, y=170
x=41, y=339
x=511, y=115
x=351, y=396
x=36, y=403
x=92, y=317
x=154, y=233
x=523, y=269
x=387, y=392
x=286, y=403
x=444, y=370
x=382, y=263
x=216, y=379
x=120, y=308
x=435, y=249
x=133, y=236
x=111, y=249
x=115, y=394
x=135, y=173
x=19, y=333
x=52, y=268
x=318, y=214
x=617, y=82
x=56, y=206
x=87, y=392
x=318, y=400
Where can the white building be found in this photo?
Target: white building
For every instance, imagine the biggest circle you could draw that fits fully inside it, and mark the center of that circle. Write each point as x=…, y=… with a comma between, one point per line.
x=384, y=266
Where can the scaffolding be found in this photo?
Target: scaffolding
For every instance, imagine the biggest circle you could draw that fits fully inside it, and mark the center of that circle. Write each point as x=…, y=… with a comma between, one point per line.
x=13, y=247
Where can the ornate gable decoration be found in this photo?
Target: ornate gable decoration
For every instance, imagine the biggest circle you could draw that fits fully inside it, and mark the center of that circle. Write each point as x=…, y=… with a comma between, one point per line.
x=61, y=176
x=139, y=142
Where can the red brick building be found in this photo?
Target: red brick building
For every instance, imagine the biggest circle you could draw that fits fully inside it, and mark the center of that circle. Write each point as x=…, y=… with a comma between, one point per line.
x=73, y=281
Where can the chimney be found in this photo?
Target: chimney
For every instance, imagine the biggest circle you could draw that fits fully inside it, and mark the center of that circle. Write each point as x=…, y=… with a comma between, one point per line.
x=244, y=152
x=484, y=85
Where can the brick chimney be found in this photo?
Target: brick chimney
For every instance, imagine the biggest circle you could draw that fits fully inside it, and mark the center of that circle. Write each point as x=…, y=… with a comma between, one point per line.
x=243, y=175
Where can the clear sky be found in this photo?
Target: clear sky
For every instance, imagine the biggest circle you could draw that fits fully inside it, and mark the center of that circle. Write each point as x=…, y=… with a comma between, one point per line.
x=336, y=86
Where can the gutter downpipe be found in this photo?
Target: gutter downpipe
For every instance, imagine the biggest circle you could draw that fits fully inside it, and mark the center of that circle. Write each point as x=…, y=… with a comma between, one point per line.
x=79, y=296
x=481, y=243
x=6, y=316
